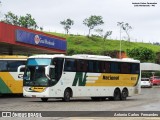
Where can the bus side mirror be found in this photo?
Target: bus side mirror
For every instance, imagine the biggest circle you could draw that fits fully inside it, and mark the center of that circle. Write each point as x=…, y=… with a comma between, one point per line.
x=20, y=74
x=47, y=70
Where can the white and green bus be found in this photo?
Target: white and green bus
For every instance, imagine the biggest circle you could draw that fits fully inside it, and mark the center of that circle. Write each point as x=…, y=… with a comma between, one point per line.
x=94, y=76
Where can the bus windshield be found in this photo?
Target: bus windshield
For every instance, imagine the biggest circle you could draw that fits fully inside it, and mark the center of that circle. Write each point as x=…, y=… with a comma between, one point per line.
x=38, y=61
x=35, y=72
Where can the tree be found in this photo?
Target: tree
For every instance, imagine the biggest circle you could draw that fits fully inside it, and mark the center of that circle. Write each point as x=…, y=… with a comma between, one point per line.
x=67, y=24
x=92, y=22
x=126, y=27
x=99, y=31
x=11, y=18
x=107, y=34
x=141, y=53
x=156, y=43
x=23, y=21
x=28, y=22
x=41, y=28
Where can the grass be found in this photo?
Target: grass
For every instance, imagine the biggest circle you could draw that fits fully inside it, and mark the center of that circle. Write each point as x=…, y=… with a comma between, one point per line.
x=77, y=44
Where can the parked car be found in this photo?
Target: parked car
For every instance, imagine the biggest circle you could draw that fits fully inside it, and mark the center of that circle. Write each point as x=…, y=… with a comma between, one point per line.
x=145, y=82
x=155, y=80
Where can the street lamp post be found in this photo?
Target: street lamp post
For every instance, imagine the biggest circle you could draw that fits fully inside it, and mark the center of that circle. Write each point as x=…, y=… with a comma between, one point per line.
x=120, y=45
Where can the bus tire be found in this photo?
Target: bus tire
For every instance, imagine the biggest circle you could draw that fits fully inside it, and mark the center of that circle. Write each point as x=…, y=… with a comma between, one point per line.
x=67, y=95
x=117, y=94
x=44, y=99
x=124, y=94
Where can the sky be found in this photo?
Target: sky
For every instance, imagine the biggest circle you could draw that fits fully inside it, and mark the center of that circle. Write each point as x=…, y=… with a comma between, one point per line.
x=144, y=20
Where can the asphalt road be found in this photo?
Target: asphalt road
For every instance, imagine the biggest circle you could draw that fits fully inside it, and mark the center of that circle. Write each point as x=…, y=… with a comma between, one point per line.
x=148, y=100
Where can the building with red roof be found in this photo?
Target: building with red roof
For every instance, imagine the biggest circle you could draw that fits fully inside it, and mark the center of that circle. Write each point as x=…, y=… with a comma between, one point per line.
x=20, y=40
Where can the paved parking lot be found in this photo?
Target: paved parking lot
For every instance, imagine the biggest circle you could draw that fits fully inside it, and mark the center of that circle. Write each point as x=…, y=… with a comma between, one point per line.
x=148, y=100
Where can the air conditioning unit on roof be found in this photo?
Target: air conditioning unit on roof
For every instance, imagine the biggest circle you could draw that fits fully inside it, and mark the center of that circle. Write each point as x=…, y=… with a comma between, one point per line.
x=92, y=56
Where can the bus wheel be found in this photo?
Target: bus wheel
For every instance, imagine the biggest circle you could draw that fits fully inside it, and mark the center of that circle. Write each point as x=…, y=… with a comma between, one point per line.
x=117, y=95
x=67, y=95
x=44, y=99
x=124, y=94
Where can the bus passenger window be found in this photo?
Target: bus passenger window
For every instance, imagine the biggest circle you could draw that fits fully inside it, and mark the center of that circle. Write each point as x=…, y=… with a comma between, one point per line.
x=135, y=68
x=82, y=65
x=101, y=67
x=104, y=67
x=107, y=67
x=125, y=68
x=90, y=66
x=115, y=68
x=70, y=65
x=96, y=66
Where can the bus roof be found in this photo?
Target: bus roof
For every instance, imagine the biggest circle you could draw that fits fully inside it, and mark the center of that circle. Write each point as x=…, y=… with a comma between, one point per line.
x=86, y=57
x=12, y=57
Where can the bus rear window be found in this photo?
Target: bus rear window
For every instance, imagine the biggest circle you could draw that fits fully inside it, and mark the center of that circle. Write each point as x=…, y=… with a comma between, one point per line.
x=3, y=66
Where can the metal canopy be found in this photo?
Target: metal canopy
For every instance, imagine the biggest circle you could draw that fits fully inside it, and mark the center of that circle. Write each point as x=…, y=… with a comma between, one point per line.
x=10, y=49
x=150, y=67
x=15, y=40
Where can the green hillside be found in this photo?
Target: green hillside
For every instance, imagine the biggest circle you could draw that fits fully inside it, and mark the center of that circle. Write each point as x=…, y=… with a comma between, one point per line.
x=77, y=44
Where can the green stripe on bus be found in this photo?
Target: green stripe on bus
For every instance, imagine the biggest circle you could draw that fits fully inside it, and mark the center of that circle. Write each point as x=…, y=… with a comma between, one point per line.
x=79, y=79
x=4, y=88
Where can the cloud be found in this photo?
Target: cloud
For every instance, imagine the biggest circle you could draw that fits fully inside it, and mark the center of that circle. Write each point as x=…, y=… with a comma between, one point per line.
x=144, y=20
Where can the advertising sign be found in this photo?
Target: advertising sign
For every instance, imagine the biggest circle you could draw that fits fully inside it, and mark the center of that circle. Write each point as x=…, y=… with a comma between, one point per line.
x=40, y=40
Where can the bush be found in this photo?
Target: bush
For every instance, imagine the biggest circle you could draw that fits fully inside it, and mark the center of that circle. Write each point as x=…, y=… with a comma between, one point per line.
x=141, y=53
